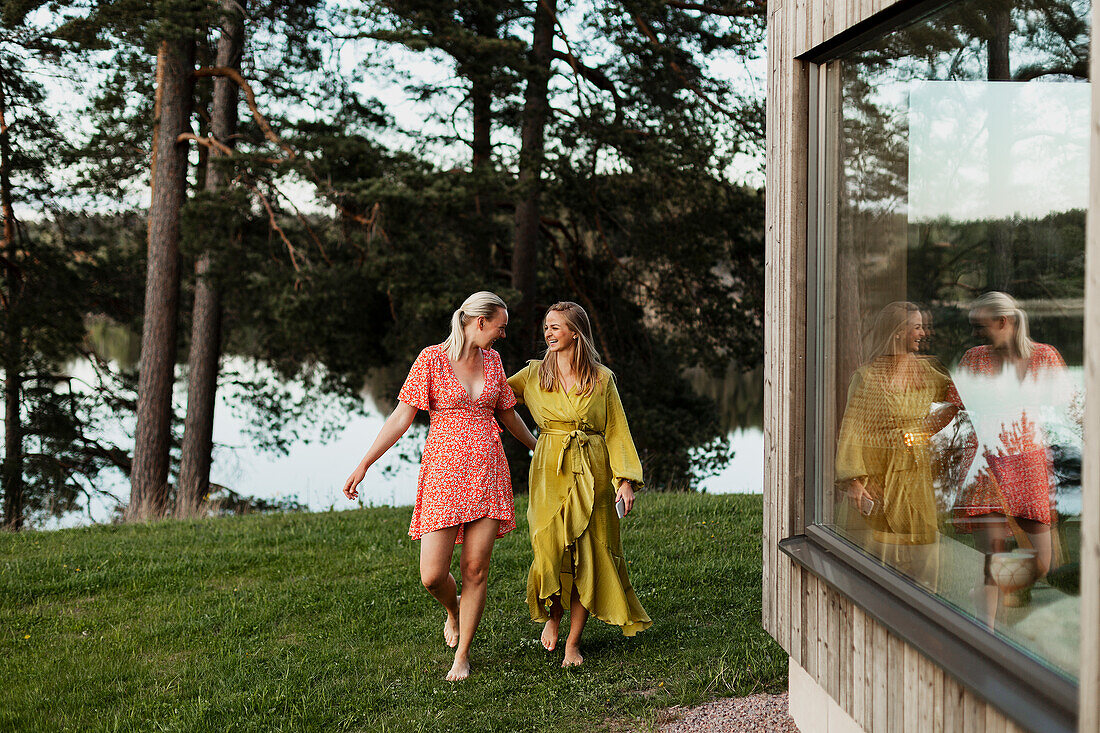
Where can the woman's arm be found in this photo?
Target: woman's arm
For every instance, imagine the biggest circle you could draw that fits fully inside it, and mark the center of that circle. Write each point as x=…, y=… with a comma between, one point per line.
x=394, y=427
x=509, y=419
x=941, y=418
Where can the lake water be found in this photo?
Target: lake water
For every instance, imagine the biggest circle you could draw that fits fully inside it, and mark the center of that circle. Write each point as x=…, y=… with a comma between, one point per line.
x=314, y=470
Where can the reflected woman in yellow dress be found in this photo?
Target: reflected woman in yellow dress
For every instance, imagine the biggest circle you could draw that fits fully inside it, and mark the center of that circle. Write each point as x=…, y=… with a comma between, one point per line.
x=883, y=463
x=584, y=462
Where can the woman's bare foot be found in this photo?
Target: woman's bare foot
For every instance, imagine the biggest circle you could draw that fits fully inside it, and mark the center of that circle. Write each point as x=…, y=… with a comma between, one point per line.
x=460, y=670
x=450, y=629
x=573, y=657
x=550, y=633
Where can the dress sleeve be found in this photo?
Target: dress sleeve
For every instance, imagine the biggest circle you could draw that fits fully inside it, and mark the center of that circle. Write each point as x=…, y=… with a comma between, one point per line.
x=506, y=398
x=853, y=433
x=518, y=381
x=625, y=465
x=1050, y=358
x=952, y=395
x=947, y=391
x=969, y=361
x=417, y=388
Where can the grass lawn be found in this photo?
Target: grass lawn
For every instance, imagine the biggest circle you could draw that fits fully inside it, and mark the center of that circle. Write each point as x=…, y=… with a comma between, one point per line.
x=318, y=622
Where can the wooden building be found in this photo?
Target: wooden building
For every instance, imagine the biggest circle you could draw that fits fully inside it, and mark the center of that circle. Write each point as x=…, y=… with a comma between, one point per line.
x=919, y=155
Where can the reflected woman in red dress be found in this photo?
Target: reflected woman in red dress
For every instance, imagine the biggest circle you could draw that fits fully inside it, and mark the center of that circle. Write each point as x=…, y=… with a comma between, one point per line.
x=1016, y=381
x=464, y=494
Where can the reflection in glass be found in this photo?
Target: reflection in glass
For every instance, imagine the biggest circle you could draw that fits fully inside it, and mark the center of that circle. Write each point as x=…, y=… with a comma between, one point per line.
x=883, y=460
x=955, y=171
x=1018, y=393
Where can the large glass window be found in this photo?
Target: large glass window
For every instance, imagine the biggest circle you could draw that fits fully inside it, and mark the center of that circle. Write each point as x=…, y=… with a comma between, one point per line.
x=952, y=178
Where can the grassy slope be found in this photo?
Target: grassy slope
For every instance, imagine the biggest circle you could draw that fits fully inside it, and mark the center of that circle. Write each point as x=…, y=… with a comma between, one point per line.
x=318, y=622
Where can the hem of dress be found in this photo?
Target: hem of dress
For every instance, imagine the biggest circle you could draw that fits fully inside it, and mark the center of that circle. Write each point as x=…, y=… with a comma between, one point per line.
x=630, y=628
x=982, y=513
x=506, y=526
x=539, y=613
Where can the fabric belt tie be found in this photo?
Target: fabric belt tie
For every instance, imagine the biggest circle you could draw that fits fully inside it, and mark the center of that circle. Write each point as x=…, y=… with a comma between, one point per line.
x=577, y=437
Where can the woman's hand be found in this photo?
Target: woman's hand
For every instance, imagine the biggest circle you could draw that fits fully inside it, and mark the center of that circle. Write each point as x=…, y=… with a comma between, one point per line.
x=394, y=427
x=351, y=485
x=626, y=493
x=858, y=493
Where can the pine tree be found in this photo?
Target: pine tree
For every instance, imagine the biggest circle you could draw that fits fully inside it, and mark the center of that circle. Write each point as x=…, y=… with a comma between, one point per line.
x=206, y=316
x=152, y=436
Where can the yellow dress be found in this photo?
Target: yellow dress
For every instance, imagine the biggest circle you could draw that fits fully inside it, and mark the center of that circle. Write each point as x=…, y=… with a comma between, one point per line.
x=584, y=451
x=884, y=440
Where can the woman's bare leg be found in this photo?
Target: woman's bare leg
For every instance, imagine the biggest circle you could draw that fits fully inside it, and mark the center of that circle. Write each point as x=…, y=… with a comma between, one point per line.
x=1041, y=540
x=578, y=615
x=436, y=549
x=477, y=549
x=550, y=628
x=989, y=540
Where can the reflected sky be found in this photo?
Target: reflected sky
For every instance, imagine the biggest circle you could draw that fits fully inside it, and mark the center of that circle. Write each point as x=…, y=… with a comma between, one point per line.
x=993, y=150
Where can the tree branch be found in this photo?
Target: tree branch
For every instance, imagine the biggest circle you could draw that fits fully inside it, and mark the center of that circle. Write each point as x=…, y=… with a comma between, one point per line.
x=711, y=10
x=208, y=142
x=275, y=224
x=303, y=222
x=647, y=31
x=571, y=281
x=328, y=192
x=250, y=98
x=593, y=76
x=212, y=142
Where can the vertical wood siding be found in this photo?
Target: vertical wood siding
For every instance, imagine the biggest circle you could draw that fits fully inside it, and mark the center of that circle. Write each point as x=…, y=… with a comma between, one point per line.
x=1089, y=680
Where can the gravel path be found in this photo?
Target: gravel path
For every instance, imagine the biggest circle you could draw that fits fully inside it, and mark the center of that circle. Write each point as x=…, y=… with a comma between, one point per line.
x=763, y=713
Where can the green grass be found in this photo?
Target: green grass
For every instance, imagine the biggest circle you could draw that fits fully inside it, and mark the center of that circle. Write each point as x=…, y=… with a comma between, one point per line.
x=318, y=622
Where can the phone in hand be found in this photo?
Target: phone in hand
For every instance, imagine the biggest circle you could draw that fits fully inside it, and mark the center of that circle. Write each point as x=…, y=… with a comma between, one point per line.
x=620, y=507
x=866, y=505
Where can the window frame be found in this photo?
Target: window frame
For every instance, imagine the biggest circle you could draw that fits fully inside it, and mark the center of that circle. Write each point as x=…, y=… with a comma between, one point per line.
x=1025, y=689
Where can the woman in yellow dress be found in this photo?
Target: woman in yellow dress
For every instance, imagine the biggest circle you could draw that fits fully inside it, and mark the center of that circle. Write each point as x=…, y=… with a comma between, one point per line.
x=897, y=401
x=584, y=462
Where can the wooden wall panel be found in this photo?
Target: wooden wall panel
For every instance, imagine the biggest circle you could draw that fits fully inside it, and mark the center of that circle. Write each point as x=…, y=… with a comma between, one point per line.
x=1089, y=679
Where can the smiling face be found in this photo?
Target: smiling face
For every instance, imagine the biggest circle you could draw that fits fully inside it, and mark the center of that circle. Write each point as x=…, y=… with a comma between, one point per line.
x=490, y=329
x=914, y=332
x=556, y=332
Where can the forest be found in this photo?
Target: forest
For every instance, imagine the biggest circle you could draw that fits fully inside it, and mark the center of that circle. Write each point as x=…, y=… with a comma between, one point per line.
x=314, y=185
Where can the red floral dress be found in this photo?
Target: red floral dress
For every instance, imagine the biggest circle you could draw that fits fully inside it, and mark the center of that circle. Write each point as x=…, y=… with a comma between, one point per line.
x=463, y=472
x=1016, y=477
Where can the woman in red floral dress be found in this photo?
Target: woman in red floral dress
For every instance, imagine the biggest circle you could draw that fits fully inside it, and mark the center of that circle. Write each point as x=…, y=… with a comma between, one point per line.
x=1018, y=380
x=464, y=494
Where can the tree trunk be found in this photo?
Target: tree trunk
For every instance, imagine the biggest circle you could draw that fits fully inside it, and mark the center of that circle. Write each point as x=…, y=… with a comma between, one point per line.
x=152, y=437
x=1000, y=271
x=206, y=315
x=481, y=97
x=479, y=69
x=11, y=478
x=998, y=65
x=535, y=110
x=478, y=66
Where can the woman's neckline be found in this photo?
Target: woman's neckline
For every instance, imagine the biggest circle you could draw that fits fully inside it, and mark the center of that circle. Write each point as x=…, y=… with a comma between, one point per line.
x=484, y=374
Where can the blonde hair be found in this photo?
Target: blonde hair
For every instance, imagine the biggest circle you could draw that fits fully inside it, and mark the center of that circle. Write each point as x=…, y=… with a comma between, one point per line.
x=889, y=321
x=481, y=304
x=1002, y=305
x=586, y=360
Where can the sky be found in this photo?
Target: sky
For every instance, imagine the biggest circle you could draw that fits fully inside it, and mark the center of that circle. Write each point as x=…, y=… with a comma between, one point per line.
x=383, y=71
x=987, y=150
